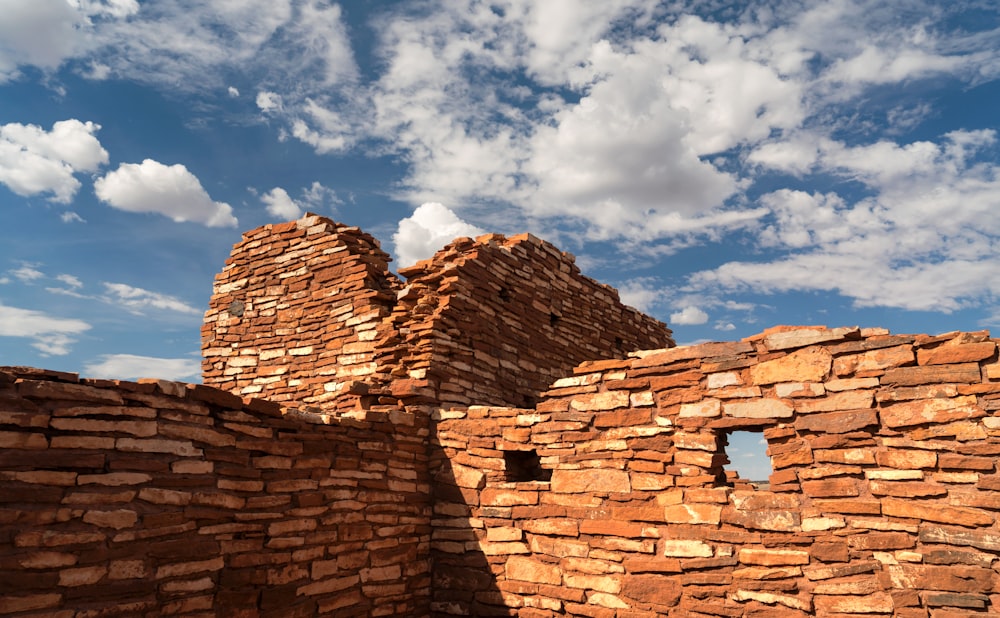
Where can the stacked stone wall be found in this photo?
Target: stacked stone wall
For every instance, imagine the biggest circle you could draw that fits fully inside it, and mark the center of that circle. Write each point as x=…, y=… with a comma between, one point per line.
x=883, y=499
x=496, y=320
x=161, y=499
x=308, y=313
x=297, y=315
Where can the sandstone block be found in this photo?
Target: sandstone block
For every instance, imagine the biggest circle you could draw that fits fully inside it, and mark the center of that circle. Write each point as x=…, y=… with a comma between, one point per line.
x=773, y=557
x=686, y=549
x=786, y=390
x=894, y=507
x=706, y=408
x=118, y=520
x=609, y=400
x=807, y=365
x=601, y=480
x=967, y=373
x=877, y=603
x=82, y=576
x=802, y=337
x=653, y=589
x=953, y=354
x=530, y=570
x=847, y=400
x=937, y=411
x=874, y=360
x=693, y=514
x=761, y=408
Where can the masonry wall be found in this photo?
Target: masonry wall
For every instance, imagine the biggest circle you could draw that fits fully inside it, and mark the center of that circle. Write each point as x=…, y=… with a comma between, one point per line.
x=496, y=320
x=296, y=315
x=883, y=500
x=308, y=313
x=162, y=499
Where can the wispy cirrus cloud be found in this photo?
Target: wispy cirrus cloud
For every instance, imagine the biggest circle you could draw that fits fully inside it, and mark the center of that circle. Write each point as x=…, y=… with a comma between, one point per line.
x=138, y=300
x=133, y=366
x=50, y=335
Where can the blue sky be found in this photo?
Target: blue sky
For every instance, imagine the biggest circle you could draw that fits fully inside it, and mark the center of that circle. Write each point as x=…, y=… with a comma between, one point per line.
x=728, y=166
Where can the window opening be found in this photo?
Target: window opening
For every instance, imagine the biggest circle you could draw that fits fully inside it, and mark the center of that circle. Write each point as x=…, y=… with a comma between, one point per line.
x=747, y=460
x=505, y=295
x=524, y=467
x=553, y=320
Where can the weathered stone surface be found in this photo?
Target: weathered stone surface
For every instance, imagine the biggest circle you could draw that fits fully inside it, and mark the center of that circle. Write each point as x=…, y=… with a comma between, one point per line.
x=953, y=354
x=931, y=411
x=762, y=408
x=652, y=589
x=807, y=365
x=605, y=480
x=802, y=337
x=773, y=557
x=530, y=570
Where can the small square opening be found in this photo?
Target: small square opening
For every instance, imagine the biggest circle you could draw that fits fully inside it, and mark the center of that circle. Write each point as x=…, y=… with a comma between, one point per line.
x=524, y=467
x=748, y=463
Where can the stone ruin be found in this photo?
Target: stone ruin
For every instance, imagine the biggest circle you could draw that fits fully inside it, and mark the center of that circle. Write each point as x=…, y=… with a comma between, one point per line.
x=498, y=436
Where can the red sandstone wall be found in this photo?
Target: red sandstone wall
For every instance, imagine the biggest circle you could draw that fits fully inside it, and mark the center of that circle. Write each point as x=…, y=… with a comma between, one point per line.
x=307, y=312
x=496, y=320
x=297, y=312
x=158, y=498
x=883, y=500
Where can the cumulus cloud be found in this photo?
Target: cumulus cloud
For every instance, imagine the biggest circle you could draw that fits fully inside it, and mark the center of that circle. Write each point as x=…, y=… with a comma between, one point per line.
x=52, y=336
x=168, y=190
x=280, y=205
x=131, y=367
x=35, y=161
x=923, y=239
x=268, y=101
x=136, y=300
x=430, y=228
x=233, y=91
x=689, y=316
x=641, y=294
x=315, y=197
x=37, y=32
x=71, y=217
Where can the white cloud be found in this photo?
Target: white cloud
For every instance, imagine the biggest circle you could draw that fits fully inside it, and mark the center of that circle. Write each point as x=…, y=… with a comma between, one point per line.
x=280, y=205
x=71, y=217
x=233, y=91
x=923, y=239
x=169, y=190
x=70, y=280
x=27, y=273
x=52, y=336
x=689, y=316
x=37, y=32
x=430, y=228
x=136, y=300
x=642, y=294
x=314, y=198
x=269, y=101
x=33, y=160
x=131, y=367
